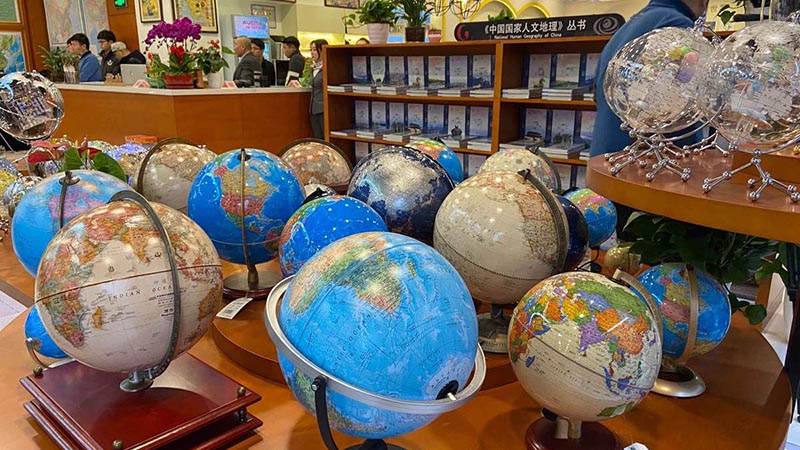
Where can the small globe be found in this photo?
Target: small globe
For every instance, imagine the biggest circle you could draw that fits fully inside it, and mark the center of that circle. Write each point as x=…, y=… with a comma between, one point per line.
x=387, y=314
x=651, y=83
x=319, y=223
x=103, y=146
x=129, y=156
x=600, y=214
x=516, y=159
x=170, y=172
x=584, y=347
x=34, y=328
x=405, y=186
x=104, y=288
x=443, y=154
x=16, y=190
x=669, y=285
x=751, y=79
x=317, y=161
x=31, y=106
x=272, y=194
x=324, y=191
x=503, y=234
x=578, y=234
x=37, y=219
x=8, y=174
x=45, y=159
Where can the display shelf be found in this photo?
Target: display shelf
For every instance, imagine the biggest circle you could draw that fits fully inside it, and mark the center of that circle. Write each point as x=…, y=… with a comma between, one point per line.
x=579, y=105
x=382, y=142
x=569, y=161
x=416, y=99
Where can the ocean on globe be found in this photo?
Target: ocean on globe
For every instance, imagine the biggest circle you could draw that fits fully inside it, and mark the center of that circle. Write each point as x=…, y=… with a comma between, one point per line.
x=503, y=234
x=669, y=285
x=751, y=80
x=321, y=222
x=170, y=172
x=578, y=234
x=31, y=106
x=443, y=154
x=316, y=161
x=516, y=159
x=599, y=212
x=16, y=190
x=387, y=314
x=405, y=186
x=652, y=81
x=584, y=347
x=104, y=289
x=271, y=195
x=34, y=328
x=38, y=215
x=128, y=155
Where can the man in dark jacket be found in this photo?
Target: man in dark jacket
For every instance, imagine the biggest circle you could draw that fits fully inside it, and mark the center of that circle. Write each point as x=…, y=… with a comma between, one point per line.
x=249, y=68
x=109, y=63
x=125, y=56
x=267, y=69
x=297, y=63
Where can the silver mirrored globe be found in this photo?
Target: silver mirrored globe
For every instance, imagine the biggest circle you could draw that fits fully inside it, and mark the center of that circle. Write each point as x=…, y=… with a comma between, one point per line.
x=31, y=107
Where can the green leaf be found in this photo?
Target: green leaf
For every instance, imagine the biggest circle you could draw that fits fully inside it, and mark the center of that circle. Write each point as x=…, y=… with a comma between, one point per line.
x=693, y=250
x=734, y=301
x=72, y=160
x=107, y=164
x=641, y=226
x=651, y=252
x=755, y=314
x=672, y=228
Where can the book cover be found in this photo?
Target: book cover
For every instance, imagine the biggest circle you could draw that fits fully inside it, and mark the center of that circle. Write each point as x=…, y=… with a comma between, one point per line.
x=535, y=122
x=436, y=71
x=562, y=128
x=360, y=74
x=591, y=69
x=479, y=121
x=416, y=71
x=474, y=164
x=457, y=74
x=568, y=66
x=435, y=119
x=539, y=70
x=362, y=113
x=377, y=69
x=362, y=150
x=397, y=70
x=587, y=126
x=397, y=116
x=379, y=114
x=482, y=143
x=482, y=74
x=416, y=115
x=456, y=120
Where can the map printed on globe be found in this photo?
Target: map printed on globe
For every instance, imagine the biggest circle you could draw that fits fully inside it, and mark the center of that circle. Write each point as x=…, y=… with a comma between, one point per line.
x=318, y=162
x=599, y=212
x=516, y=159
x=104, y=290
x=443, y=154
x=584, y=347
x=170, y=172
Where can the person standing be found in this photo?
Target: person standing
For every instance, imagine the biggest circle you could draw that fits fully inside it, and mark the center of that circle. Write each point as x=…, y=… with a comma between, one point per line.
x=109, y=62
x=88, y=65
x=248, y=67
x=297, y=63
x=267, y=69
x=316, y=108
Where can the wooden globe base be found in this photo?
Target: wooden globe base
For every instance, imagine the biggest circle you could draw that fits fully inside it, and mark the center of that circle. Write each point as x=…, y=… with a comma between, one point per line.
x=237, y=285
x=378, y=446
x=679, y=382
x=541, y=435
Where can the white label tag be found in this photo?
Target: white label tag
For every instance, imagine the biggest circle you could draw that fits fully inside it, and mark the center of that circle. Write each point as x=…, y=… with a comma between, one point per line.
x=232, y=309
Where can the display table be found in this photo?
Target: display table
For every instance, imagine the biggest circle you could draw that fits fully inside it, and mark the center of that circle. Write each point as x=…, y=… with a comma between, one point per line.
x=747, y=404
x=221, y=119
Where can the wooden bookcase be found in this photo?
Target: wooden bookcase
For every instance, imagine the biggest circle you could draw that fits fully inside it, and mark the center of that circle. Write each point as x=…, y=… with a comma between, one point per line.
x=510, y=57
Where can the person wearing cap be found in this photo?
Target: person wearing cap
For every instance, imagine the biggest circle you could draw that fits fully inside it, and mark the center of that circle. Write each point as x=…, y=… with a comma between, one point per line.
x=267, y=69
x=125, y=56
x=108, y=63
x=297, y=63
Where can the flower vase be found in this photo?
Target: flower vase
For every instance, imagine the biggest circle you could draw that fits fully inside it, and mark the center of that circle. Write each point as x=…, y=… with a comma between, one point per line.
x=199, y=83
x=378, y=32
x=215, y=80
x=434, y=35
x=182, y=81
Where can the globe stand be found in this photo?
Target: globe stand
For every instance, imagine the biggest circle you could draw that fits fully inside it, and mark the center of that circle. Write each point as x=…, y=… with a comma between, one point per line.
x=563, y=434
x=646, y=147
x=33, y=345
x=493, y=330
x=756, y=186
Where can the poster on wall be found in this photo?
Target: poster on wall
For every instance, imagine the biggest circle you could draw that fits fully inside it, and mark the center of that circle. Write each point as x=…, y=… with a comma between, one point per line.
x=351, y=4
x=590, y=25
x=265, y=11
x=203, y=12
x=67, y=17
x=12, y=58
x=150, y=11
x=9, y=11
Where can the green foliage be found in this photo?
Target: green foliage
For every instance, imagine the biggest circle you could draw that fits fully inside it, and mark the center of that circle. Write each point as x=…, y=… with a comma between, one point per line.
x=210, y=58
x=373, y=11
x=505, y=14
x=415, y=12
x=728, y=257
x=79, y=158
x=53, y=60
x=727, y=11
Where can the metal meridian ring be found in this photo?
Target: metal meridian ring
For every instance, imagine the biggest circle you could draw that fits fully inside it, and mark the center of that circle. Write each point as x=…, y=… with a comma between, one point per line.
x=562, y=225
x=536, y=150
x=156, y=148
x=303, y=364
x=631, y=281
x=694, y=313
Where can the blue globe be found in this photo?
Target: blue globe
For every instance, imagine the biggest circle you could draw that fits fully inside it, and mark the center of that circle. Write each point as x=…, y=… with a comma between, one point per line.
x=34, y=328
x=387, y=314
x=443, y=154
x=320, y=222
x=272, y=194
x=578, y=234
x=669, y=285
x=405, y=186
x=36, y=218
x=600, y=214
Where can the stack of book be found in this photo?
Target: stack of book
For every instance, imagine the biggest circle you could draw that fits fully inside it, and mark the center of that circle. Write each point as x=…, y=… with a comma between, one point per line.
x=372, y=133
x=584, y=154
x=482, y=92
x=399, y=137
x=535, y=92
x=365, y=88
x=589, y=96
x=422, y=91
x=481, y=143
x=563, y=150
x=457, y=141
x=565, y=93
x=348, y=132
x=392, y=90
x=518, y=144
x=348, y=87
x=454, y=91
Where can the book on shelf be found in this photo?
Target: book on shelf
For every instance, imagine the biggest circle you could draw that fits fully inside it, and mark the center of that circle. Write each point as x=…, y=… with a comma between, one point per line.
x=365, y=88
x=566, y=150
x=347, y=87
x=565, y=93
x=473, y=164
x=568, y=69
x=377, y=69
x=397, y=70
x=437, y=73
x=539, y=70
x=457, y=140
x=379, y=114
x=518, y=144
x=481, y=143
x=482, y=93
x=416, y=71
x=479, y=121
x=587, y=126
x=454, y=91
x=431, y=134
x=584, y=156
x=360, y=70
x=434, y=120
x=372, y=133
x=361, y=150
x=424, y=91
x=361, y=114
x=392, y=90
x=457, y=70
x=348, y=132
x=522, y=93
x=399, y=137
x=481, y=72
x=589, y=96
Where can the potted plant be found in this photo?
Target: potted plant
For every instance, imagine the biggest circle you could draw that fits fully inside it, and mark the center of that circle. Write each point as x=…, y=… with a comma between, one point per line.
x=180, y=38
x=434, y=35
x=69, y=62
x=415, y=13
x=155, y=71
x=503, y=15
x=378, y=15
x=211, y=62
x=52, y=60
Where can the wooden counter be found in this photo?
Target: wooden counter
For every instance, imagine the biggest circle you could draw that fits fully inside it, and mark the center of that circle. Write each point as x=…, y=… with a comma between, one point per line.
x=222, y=119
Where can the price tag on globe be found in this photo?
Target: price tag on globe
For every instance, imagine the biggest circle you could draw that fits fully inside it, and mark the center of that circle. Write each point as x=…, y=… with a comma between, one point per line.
x=232, y=309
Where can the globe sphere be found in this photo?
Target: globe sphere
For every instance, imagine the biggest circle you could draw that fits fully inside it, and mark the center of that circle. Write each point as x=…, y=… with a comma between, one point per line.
x=129, y=156
x=669, y=285
x=63, y=142
x=103, y=146
x=45, y=159
x=443, y=154
x=31, y=106
x=516, y=159
x=321, y=222
x=8, y=174
x=312, y=188
x=578, y=234
x=170, y=172
x=386, y=314
x=316, y=161
x=652, y=81
x=584, y=347
x=599, y=212
x=503, y=234
x=104, y=280
x=37, y=217
x=271, y=195
x=751, y=80
x=405, y=186
x=16, y=190
x=34, y=328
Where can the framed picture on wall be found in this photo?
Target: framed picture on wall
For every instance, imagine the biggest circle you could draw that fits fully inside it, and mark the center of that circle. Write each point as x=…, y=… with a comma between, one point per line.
x=11, y=49
x=266, y=11
x=203, y=12
x=150, y=11
x=351, y=4
x=9, y=11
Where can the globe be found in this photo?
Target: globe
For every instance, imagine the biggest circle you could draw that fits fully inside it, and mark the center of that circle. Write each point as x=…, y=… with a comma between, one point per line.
x=103, y=146
x=319, y=223
x=272, y=194
x=751, y=79
x=584, y=347
x=316, y=161
x=578, y=234
x=516, y=159
x=600, y=214
x=669, y=285
x=170, y=172
x=8, y=174
x=443, y=154
x=129, y=156
x=31, y=106
x=651, y=83
x=44, y=159
x=387, y=314
x=311, y=188
x=405, y=186
x=104, y=289
x=37, y=217
x=503, y=233
x=16, y=190
x=34, y=328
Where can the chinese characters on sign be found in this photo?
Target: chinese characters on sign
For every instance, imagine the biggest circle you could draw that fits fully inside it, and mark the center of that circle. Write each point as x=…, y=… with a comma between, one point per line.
x=594, y=25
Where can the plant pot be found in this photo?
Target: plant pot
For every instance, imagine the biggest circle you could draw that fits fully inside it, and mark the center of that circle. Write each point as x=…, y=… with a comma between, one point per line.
x=415, y=34
x=199, y=83
x=378, y=32
x=182, y=81
x=434, y=35
x=215, y=80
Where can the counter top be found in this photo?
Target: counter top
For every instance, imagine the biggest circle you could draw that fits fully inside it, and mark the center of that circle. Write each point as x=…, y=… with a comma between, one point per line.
x=126, y=89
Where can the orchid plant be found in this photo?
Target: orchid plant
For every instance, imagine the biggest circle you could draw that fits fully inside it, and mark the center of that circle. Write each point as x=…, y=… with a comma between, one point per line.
x=210, y=58
x=180, y=38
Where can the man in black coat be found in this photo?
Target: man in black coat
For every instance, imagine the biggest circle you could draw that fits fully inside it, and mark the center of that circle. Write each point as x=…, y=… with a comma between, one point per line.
x=267, y=69
x=249, y=68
